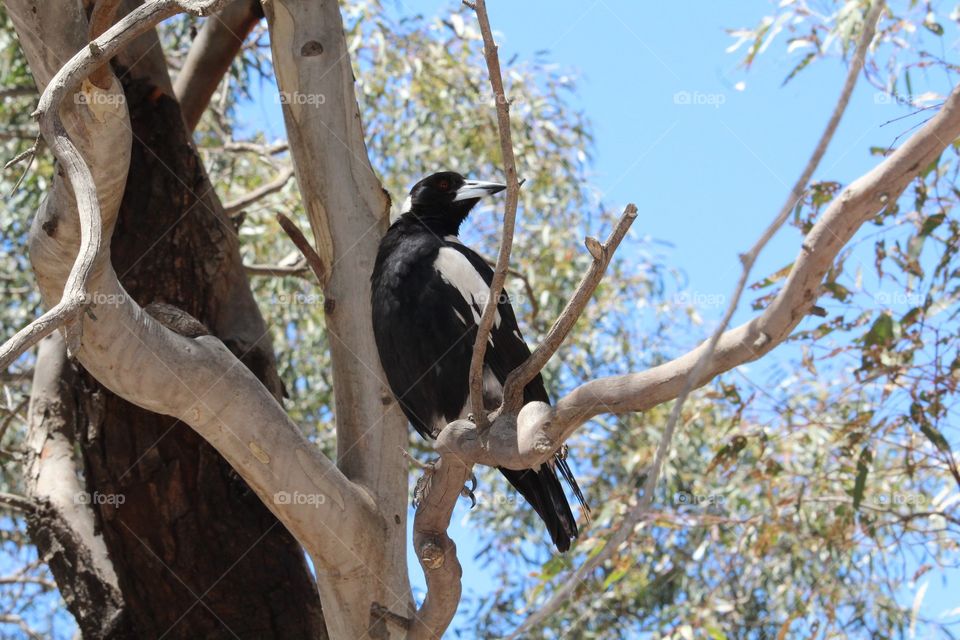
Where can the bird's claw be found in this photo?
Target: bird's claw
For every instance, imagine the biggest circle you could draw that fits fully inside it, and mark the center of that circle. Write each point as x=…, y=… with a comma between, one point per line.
x=468, y=489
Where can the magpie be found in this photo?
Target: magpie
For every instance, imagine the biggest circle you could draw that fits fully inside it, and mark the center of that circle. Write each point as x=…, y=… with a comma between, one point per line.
x=428, y=292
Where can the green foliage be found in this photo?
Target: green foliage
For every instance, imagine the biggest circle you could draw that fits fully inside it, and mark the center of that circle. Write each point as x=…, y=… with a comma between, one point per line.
x=788, y=505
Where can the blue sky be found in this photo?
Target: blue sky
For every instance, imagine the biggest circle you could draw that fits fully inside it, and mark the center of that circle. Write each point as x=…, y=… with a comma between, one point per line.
x=707, y=176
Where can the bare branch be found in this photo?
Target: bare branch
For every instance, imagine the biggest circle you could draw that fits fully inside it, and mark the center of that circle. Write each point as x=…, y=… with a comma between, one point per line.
x=16, y=92
x=300, y=240
x=211, y=53
x=15, y=376
x=602, y=254
x=62, y=526
x=75, y=296
x=234, y=207
x=438, y=491
x=260, y=149
x=695, y=377
x=509, y=216
x=301, y=270
x=17, y=503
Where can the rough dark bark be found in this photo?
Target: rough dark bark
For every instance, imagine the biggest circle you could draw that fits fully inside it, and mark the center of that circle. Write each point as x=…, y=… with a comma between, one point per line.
x=62, y=529
x=196, y=553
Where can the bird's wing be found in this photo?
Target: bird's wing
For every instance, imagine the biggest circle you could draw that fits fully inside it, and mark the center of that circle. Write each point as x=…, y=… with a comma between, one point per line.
x=472, y=276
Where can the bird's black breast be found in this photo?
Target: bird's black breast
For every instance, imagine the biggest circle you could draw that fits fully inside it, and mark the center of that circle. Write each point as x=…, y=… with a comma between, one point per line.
x=425, y=323
x=420, y=340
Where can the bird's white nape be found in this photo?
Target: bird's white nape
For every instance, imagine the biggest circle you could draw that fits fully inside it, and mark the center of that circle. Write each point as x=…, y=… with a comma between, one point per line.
x=456, y=270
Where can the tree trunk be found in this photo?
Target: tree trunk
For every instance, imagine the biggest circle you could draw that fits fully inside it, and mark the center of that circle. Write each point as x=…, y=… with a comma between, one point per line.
x=195, y=551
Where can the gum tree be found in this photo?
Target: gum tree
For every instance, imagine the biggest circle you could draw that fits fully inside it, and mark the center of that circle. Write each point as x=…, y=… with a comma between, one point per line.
x=159, y=369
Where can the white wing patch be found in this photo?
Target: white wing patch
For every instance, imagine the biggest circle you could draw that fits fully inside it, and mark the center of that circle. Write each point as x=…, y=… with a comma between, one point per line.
x=457, y=271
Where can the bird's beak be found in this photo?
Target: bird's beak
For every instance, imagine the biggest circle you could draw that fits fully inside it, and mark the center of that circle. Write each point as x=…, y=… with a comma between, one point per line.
x=477, y=190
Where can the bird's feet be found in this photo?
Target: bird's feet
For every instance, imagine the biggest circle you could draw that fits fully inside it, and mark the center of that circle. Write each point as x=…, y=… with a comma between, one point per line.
x=468, y=489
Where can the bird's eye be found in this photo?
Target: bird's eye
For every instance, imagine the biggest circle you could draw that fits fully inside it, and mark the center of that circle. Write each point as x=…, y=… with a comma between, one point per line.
x=443, y=185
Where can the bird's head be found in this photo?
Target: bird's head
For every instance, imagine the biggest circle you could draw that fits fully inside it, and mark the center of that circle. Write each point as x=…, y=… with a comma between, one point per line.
x=443, y=200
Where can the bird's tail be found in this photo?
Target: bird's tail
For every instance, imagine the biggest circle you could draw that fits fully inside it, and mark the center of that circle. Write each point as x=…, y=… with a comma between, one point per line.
x=542, y=489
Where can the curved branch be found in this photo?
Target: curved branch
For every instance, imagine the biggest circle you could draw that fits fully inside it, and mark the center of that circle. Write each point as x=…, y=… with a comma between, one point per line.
x=437, y=494
x=75, y=297
x=194, y=379
x=234, y=207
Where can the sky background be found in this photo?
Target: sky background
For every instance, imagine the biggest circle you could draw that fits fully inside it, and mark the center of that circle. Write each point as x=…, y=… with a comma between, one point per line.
x=707, y=176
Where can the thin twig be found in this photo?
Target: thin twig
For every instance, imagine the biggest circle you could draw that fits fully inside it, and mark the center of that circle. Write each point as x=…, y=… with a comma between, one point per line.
x=234, y=207
x=602, y=254
x=301, y=269
x=17, y=503
x=16, y=92
x=509, y=217
x=635, y=514
x=301, y=242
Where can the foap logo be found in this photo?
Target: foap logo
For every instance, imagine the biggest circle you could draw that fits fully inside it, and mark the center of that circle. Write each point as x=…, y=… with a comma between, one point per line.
x=699, y=99
x=298, y=298
x=97, y=498
x=900, y=499
x=298, y=498
x=298, y=98
x=99, y=98
x=899, y=298
x=699, y=299
x=108, y=299
x=684, y=498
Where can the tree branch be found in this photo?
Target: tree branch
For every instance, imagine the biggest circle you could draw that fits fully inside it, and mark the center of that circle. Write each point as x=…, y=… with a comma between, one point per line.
x=14, y=502
x=438, y=491
x=509, y=216
x=196, y=380
x=296, y=236
x=75, y=298
x=696, y=377
x=602, y=254
x=211, y=54
x=234, y=207
x=62, y=526
x=16, y=92
x=348, y=212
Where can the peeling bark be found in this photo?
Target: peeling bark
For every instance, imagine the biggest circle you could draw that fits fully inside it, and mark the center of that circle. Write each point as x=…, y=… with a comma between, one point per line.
x=200, y=553
x=62, y=523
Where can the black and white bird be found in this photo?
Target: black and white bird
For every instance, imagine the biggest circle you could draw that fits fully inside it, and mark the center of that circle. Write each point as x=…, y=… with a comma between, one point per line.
x=428, y=293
